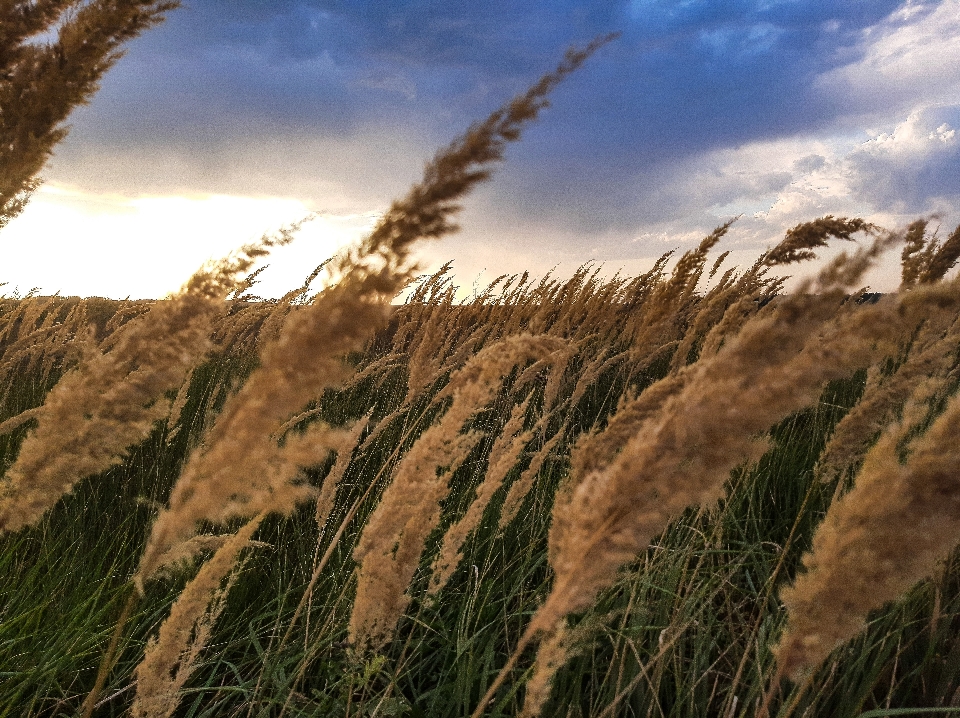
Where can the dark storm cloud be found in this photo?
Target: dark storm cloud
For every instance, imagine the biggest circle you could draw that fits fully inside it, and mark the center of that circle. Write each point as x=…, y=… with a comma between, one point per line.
x=209, y=93
x=683, y=71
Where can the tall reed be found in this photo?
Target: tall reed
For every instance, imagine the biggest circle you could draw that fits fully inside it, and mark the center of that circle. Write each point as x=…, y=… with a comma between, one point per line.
x=707, y=424
x=900, y=518
x=307, y=356
x=392, y=541
x=241, y=470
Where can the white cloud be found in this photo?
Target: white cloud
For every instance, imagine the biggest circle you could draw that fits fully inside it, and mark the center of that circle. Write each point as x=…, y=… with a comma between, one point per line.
x=889, y=179
x=911, y=58
x=913, y=168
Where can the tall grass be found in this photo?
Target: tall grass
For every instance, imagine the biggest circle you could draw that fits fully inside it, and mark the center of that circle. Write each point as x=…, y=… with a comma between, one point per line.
x=578, y=497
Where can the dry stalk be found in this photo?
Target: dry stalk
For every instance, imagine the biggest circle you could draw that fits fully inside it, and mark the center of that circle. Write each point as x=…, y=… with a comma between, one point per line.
x=171, y=658
x=521, y=487
x=110, y=403
x=887, y=533
x=503, y=456
x=392, y=541
x=683, y=454
x=242, y=471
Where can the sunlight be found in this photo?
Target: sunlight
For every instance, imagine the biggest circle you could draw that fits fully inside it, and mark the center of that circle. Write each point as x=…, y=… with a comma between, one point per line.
x=87, y=244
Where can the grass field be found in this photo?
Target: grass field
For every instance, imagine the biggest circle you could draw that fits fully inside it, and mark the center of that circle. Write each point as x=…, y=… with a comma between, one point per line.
x=686, y=628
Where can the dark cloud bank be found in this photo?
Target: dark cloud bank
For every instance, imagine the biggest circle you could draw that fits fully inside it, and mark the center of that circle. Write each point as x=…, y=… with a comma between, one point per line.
x=341, y=103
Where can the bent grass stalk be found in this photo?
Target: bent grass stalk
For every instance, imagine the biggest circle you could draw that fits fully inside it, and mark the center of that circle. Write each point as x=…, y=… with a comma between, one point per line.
x=171, y=658
x=503, y=456
x=428, y=207
x=876, y=541
x=338, y=321
x=335, y=539
x=110, y=403
x=682, y=456
x=393, y=539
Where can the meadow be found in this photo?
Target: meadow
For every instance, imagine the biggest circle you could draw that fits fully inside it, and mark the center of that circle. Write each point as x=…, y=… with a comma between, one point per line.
x=686, y=493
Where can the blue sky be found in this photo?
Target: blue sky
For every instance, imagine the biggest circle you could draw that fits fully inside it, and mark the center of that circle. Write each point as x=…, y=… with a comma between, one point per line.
x=237, y=115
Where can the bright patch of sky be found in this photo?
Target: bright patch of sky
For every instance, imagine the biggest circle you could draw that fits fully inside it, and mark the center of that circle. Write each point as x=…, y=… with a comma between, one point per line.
x=146, y=247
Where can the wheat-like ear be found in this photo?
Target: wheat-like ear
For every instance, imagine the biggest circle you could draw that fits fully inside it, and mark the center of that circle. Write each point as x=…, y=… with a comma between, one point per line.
x=876, y=541
x=503, y=456
x=658, y=305
x=931, y=356
x=521, y=487
x=427, y=357
x=205, y=491
x=916, y=253
x=110, y=403
x=344, y=447
x=393, y=539
x=552, y=653
x=52, y=58
x=899, y=518
x=171, y=658
x=801, y=240
x=306, y=357
x=683, y=454
x=944, y=258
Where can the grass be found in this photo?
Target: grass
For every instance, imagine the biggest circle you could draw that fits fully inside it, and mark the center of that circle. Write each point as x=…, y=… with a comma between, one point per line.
x=686, y=629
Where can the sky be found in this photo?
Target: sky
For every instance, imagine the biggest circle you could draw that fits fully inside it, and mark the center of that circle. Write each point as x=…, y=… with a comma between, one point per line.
x=235, y=117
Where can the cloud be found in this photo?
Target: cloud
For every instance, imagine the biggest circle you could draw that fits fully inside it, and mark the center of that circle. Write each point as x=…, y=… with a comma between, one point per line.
x=701, y=111
x=685, y=78
x=355, y=173
x=916, y=167
x=912, y=57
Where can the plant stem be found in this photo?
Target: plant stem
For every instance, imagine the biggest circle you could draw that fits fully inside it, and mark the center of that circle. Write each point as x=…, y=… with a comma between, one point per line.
x=106, y=662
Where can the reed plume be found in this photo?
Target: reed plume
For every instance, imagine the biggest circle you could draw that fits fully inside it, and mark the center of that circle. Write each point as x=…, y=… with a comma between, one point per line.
x=887, y=533
x=389, y=549
x=344, y=451
x=924, y=259
x=916, y=254
x=241, y=470
x=551, y=655
x=521, y=487
x=110, y=403
x=113, y=399
x=171, y=658
x=503, y=456
x=42, y=82
x=683, y=454
x=307, y=356
x=890, y=529
x=930, y=355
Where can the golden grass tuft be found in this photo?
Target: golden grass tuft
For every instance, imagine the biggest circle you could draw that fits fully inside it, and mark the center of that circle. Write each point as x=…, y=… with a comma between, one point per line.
x=889, y=531
x=170, y=659
x=110, y=403
x=389, y=549
x=708, y=423
x=504, y=454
